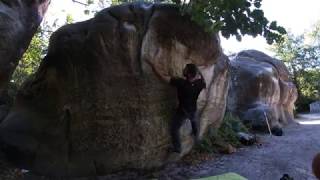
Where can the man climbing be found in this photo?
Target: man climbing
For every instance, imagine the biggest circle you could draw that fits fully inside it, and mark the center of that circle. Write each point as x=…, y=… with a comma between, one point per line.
x=188, y=90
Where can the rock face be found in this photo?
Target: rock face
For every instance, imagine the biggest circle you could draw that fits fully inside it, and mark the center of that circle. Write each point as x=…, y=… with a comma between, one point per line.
x=19, y=20
x=260, y=87
x=95, y=106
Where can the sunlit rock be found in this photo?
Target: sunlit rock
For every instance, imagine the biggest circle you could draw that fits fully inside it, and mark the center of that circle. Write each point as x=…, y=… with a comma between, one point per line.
x=261, y=90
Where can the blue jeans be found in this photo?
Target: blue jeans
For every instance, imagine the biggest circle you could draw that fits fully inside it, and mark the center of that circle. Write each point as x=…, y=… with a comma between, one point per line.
x=177, y=121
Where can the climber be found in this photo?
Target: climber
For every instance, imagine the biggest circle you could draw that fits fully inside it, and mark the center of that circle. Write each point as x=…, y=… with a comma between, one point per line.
x=188, y=90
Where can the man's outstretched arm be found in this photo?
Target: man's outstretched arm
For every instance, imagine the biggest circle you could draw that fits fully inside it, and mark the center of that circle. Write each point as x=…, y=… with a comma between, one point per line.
x=200, y=76
x=163, y=75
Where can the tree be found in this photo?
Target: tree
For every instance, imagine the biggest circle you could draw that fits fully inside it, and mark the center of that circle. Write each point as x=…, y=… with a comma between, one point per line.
x=69, y=19
x=230, y=17
x=31, y=58
x=301, y=54
x=37, y=49
x=315, y=33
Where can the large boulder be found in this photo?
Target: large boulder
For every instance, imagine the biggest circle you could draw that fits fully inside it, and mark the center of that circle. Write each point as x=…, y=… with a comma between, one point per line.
x=95, y=106
x=261, y=89
x=19, y=20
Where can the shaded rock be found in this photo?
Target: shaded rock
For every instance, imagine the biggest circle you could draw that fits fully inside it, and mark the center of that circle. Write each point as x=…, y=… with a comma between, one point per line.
x=246, y=139
x=230, y=149
x=261, y=89
x=286, y=177
x=277, y=131
x=19, y=20
x=7, y=170
x=95, y=106
x=4, y=109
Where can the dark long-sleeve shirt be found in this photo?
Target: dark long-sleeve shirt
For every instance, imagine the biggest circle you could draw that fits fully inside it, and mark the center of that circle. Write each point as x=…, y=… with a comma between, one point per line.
x=188, y=92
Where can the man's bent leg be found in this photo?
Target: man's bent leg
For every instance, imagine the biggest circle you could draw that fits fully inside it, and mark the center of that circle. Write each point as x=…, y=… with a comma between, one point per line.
x=176, y=123
x=195, y=126
x=194, y=123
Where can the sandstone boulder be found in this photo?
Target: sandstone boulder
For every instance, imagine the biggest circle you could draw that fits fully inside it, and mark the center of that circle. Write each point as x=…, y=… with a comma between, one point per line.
x=95, y=106
x=261, y=89
x=19, y=20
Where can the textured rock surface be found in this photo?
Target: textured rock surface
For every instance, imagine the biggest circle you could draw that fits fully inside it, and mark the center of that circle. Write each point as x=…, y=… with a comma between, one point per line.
x=95, y=106
x=261, y=84
x=19, y=20
x=8, y=171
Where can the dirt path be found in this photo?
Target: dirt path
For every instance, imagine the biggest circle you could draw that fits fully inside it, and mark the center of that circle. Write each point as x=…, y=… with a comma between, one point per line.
x=291, y=154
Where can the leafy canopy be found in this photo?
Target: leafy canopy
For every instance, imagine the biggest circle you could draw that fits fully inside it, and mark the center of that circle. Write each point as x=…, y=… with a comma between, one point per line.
x=301, y=54
x=230, y=17
x=31, y=59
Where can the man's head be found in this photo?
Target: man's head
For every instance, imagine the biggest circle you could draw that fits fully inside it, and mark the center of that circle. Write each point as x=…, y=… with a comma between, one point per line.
x=190, y=71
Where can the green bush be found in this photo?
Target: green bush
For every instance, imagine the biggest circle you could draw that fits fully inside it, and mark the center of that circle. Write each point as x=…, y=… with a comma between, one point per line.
x=216, y=139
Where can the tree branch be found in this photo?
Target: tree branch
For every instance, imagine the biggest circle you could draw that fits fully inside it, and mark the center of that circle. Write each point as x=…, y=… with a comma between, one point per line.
x=80, y=2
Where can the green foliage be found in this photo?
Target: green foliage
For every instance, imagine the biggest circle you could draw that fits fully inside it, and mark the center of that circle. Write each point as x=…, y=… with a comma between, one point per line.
x=309, y=88
x=315, y=33
x=226, y=134
x=69, y=19
x=301, y=54
x=31, y=59
x=231, y=17
x=310, y=83
x=232, y=123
